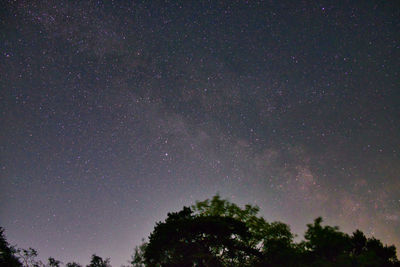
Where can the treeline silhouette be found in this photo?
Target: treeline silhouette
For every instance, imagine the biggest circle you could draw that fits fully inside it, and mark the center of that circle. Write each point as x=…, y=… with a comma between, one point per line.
x=217, y=232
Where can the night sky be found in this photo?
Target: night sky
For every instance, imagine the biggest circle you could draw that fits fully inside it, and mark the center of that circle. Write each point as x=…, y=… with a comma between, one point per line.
x=114, y=113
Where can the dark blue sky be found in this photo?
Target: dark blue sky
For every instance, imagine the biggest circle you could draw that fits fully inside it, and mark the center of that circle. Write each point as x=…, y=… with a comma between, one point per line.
x=114, y=113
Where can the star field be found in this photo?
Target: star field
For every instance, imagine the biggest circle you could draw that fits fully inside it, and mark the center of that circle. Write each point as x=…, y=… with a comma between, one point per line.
x=114, y=113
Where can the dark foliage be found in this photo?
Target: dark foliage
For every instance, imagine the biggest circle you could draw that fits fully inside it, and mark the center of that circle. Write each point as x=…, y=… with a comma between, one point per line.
x=98, y=261
x=187, y=240
x=219, y=233
x=7, y=253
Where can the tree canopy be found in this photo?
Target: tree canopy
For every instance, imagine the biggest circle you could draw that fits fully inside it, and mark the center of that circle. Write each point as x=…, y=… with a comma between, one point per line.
x=7, y=252
x=217, y=233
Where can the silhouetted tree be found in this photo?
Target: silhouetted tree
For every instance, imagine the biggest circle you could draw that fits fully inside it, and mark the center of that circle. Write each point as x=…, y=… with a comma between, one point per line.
x=358, y=243
x=15, y=257
x=138, y=258
x=326, y=243
x=28, y=257
x=53, y=262
x=7, y=252
x=98, y=261
x=219, y=233
x=187, y=240
x=327, y=246
x=371, y=252
x=275, y=239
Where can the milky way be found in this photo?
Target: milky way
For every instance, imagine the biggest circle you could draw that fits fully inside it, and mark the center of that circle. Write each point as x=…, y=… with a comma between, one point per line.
x=115, y=113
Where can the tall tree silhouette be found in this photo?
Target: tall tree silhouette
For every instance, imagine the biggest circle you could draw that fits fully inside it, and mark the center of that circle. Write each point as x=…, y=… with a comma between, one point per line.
x=7, y=252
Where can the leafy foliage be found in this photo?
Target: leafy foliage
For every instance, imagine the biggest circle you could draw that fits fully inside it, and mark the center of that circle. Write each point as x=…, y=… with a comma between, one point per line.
x=53, y=262
x=28, y=257
x=98, y=261
x=138, y=258
x=7, y=252
x=219, y=233
x=184, y=240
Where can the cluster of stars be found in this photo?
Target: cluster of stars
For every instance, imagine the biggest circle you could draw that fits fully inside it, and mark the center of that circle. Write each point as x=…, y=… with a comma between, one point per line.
x=116, y=113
